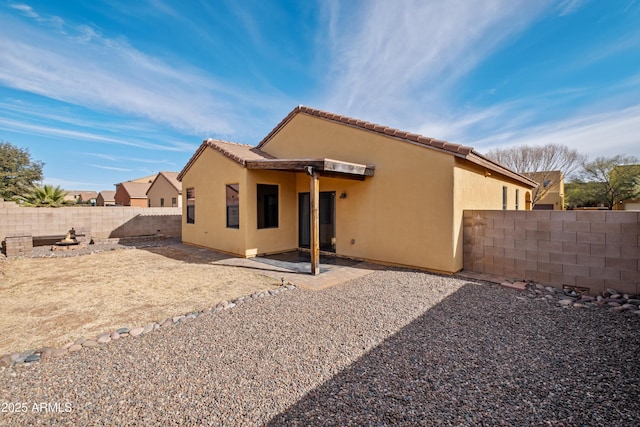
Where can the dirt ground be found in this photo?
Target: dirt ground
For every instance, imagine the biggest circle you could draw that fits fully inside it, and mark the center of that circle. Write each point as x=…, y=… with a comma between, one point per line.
x=53, y=301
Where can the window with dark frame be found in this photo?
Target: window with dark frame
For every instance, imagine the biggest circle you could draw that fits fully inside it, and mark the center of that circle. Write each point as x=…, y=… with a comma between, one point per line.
x=191, y=205
x=504, y=198
x=233, y=205
x=174, y=202
x=267, y=204
x=517, y=199
x=162, y=202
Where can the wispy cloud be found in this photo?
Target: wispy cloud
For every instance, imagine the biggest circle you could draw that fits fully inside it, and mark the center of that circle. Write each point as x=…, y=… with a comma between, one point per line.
x=77, y=64
x=392, y=55
x=597, y=134
x=125, y=159
x=110, y=168
x=54, y=132
x=567, y=7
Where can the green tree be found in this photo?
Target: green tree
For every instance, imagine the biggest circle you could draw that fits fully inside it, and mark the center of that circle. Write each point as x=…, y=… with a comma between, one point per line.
x=612, y=179
x=581, y=195
x=18, y=173
x=45, y=196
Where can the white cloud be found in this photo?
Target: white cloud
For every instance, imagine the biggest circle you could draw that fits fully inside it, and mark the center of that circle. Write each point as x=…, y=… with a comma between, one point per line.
x=598, y=134
x=110, y=168
x=54, y=132
x=391, y=56
x=567, y=7
x=78, y=65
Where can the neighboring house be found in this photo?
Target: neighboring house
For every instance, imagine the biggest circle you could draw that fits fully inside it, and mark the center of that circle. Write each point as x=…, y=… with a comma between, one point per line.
x=131, y=193
x=81, y=196
x=145, y=179
x=165, y=191
x=551, y=189
x=632, y=204
x=353, y=188
x=106, y=198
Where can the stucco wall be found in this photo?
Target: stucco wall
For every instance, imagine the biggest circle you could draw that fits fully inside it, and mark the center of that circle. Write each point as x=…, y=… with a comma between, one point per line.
x=593, y=249
x=163, y=189
x=102, y=222
x=402, y=215
x=209, y=177
x=476, y=190
x=407, y=214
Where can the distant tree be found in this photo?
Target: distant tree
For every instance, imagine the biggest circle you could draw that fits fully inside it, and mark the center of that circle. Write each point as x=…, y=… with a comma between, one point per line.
x=45, y=196
x=18, y=173
x=613, y=179
x=541, y=160
x=581, y=195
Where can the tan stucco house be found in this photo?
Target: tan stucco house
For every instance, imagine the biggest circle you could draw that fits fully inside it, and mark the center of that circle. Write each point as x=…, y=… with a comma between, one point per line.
x=328, y=182
x=106, y=198
x=165, y=191
x=549, y=195
x=131, y=193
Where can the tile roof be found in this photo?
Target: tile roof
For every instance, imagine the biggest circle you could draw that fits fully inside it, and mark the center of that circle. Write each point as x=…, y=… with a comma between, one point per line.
x=371, y=127
x=242, y=153
x=108, y=194
x=136, y=190
x=239, y=153
x=457, y=150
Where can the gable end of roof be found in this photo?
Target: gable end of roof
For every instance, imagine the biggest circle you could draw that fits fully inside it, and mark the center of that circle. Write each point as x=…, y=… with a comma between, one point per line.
x=455, y=149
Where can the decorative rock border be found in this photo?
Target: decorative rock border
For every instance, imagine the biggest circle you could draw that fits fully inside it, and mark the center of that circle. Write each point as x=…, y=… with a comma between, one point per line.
x=30, y=356
x=571, y=298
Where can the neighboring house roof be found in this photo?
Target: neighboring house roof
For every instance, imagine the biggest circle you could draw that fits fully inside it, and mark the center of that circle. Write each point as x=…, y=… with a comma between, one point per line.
x=109, y=195
x=172, y=178
x=80, y=195
x=136, y=190
x=243, y=153
x=145, y=179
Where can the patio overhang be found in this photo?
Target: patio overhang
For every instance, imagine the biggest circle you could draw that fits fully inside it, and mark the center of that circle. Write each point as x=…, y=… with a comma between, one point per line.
x=324, y=167
x=315, y=168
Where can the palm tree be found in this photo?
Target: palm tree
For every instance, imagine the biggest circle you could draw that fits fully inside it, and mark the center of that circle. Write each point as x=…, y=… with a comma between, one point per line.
x=45, y=196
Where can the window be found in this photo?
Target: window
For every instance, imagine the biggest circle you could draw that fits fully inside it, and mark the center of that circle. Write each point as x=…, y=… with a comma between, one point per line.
x=174, y=202
x=148, y=203
x=267, y=206
x=162, y=202
x=517, y=199
x=504, y=198
x=233, y=206
x=191, y=205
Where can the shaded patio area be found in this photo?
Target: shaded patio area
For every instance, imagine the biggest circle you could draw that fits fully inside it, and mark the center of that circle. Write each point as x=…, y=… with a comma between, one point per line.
x=295, y=267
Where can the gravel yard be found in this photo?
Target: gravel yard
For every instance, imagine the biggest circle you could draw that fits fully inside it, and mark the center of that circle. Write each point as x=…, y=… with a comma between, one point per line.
x=390, y=348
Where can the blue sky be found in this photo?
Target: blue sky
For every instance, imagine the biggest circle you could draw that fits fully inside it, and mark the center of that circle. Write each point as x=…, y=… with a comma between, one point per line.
x=105, y=91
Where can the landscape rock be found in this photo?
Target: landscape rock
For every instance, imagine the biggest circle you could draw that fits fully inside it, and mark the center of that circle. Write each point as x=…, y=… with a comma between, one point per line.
x=136, y=331
x=5, y=361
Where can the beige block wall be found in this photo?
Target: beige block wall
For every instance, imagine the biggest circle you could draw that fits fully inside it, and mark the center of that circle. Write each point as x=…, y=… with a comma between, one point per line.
x=102, y=222
x=476, y=190
x=402, y=215
x=593, y=249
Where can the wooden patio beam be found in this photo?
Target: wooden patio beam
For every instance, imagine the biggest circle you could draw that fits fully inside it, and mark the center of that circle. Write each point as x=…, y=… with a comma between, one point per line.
x=315, y=222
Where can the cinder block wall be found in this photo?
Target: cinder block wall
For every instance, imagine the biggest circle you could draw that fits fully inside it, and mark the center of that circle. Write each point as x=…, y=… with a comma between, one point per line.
x=592, y=249
x=102, y=222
